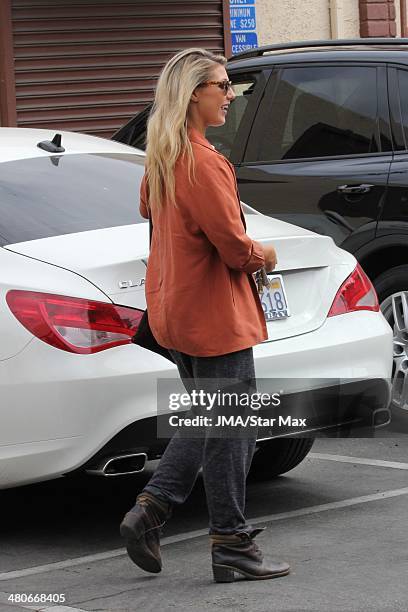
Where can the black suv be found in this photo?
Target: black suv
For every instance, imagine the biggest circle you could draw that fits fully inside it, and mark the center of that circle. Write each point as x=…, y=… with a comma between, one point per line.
x=318, y=134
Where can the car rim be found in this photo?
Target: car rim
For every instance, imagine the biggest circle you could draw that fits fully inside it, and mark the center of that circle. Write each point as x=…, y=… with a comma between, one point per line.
x=395, y=310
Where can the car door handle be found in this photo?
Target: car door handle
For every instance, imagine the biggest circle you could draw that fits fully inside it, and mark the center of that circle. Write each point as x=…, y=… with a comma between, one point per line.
x=354, y=189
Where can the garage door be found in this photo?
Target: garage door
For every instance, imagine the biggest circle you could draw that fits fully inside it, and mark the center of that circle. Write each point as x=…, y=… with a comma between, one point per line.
x=89, y=65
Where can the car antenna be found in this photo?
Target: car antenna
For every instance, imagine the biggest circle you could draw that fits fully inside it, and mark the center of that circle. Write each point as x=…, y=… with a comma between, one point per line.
x=53, y=146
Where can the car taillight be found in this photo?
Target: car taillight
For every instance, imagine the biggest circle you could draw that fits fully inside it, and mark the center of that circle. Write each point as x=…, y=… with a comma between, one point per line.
x=74, y=324
x=356, y=293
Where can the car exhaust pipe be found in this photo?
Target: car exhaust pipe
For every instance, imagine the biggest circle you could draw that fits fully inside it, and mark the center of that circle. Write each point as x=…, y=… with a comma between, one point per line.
x=381, y=417
x=121, y=465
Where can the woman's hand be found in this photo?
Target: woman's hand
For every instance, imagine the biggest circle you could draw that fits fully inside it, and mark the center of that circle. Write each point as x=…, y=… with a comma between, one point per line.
x=270, y=257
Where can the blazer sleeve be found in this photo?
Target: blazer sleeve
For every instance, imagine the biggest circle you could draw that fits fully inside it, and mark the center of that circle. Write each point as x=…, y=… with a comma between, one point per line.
x=216, y=210
x=143, y=199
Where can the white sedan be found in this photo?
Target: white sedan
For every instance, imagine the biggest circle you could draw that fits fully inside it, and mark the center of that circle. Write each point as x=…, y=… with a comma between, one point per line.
x=76, y=393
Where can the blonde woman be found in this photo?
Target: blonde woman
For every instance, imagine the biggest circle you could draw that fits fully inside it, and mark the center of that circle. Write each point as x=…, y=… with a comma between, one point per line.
x=203, y=305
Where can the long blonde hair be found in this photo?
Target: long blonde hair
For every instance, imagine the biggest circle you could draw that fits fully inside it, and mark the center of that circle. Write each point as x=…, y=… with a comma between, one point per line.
x=167, y=137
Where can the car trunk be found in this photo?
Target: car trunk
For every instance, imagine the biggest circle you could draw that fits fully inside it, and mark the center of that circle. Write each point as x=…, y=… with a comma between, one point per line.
x=114, y=259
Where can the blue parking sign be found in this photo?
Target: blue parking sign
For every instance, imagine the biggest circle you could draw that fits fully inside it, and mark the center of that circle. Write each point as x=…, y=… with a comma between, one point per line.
x=243, y=41
x=242, y=18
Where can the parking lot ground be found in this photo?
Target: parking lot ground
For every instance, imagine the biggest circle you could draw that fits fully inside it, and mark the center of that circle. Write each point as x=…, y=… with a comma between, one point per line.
x=339, y=518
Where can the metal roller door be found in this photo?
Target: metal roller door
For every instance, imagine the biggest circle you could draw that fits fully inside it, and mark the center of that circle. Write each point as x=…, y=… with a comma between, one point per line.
x=89, y=65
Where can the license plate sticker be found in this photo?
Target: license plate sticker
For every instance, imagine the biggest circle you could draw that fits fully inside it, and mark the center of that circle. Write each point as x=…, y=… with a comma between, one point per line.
x=274, y=302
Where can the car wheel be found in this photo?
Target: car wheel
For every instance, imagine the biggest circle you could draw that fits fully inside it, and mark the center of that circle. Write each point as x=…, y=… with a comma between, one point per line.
x=392, y=290
x=278, y=456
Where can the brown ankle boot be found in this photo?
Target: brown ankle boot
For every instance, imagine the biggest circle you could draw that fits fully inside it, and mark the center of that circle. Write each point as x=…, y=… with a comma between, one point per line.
x=239, y=553
x=141, y=528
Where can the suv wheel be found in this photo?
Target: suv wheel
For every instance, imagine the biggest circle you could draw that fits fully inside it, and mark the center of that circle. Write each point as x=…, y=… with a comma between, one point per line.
x=278, y=456
x=392, y=290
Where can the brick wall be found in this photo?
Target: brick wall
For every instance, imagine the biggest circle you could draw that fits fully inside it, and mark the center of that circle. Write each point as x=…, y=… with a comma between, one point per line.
x=377, y=18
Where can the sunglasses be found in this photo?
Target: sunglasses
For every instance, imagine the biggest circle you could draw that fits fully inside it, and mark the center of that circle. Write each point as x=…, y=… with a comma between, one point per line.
x=224, y=85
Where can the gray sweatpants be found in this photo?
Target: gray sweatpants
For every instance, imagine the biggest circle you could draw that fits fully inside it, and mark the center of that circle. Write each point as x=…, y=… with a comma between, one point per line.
x=225, y=460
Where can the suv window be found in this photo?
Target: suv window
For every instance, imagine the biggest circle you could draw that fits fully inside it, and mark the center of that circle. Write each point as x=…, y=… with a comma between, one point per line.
x=320, y=112
x=223, y=137
x=246, y=86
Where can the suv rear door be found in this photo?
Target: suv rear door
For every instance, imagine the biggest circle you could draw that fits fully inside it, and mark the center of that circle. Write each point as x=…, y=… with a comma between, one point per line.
x=319, y=152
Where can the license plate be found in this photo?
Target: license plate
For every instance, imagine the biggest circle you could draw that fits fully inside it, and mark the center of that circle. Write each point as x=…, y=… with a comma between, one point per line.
x=273, y=300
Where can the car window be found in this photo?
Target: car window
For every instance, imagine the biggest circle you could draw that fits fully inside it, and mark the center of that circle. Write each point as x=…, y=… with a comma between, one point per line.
x=134, y=132
x=51, y=196
x=223, y=137
x=403, y=93
x=319, y=112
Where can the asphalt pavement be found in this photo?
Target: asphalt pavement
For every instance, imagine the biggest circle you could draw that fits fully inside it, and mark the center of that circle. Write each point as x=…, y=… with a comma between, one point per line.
x=339, y=519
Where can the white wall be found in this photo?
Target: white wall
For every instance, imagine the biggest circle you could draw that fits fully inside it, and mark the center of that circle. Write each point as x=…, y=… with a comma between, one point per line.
x=290, y=20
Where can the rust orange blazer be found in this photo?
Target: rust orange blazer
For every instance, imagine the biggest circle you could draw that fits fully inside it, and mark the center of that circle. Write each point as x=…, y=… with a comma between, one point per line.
x=201, y=297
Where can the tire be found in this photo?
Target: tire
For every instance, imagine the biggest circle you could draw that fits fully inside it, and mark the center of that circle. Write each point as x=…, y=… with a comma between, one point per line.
x=391, y=281
x=387, y=284
x=278, y=456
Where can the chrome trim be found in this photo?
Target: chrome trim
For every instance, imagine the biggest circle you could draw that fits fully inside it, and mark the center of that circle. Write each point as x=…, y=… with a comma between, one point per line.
x=311, y=429
x=101, y=469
